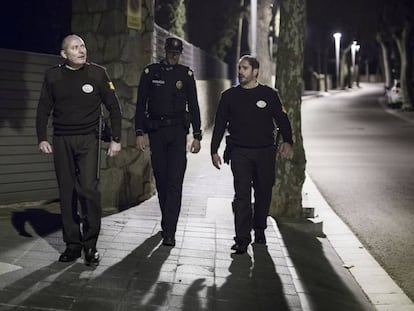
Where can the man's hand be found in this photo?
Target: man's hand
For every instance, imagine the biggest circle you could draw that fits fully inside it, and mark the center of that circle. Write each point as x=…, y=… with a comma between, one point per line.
x=285, y=151
x=114, y=149
x=195, y=146
x=45, y=147
x=140, y=143
x=215, y=158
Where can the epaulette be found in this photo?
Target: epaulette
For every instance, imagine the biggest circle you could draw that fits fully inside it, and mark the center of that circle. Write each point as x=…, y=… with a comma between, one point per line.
x=151, y=68
x=95, y=65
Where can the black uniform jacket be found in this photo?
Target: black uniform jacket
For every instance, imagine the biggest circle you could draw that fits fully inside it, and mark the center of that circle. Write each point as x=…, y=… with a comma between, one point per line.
x=167, y=91
x=250, y=115
x=75, y=96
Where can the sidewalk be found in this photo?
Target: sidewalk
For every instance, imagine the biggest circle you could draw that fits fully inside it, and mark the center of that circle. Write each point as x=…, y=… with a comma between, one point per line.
x=296, y=271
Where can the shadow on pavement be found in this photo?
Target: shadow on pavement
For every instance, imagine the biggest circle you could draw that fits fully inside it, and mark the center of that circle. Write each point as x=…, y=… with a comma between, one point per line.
x=325, y=281
x=42, y=221
x=136, y=282
x=253, y=284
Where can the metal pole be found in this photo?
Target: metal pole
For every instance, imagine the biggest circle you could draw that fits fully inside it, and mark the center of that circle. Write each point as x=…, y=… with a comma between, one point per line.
x=98, y=162
x=337, y=36
x=253, y=28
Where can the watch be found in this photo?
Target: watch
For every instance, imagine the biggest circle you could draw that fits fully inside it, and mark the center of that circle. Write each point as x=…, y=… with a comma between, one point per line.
x=116, y=139
x=197, y=136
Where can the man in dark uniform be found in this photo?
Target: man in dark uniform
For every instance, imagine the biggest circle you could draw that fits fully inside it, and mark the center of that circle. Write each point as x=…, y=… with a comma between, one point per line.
x=167, y=104
x=74, y=92
x=248, y=111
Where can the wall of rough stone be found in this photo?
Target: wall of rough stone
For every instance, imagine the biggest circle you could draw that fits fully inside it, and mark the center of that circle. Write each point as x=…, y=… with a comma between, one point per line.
x=126, y=179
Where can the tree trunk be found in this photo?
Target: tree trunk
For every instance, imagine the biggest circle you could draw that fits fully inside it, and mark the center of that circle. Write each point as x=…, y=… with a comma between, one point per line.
x=264, y=16
x=344, y=68
x=290, y=174
x=405, y=76
x=385, y=61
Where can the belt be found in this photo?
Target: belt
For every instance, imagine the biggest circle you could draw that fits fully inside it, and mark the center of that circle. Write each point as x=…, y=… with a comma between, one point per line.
x=165, y=117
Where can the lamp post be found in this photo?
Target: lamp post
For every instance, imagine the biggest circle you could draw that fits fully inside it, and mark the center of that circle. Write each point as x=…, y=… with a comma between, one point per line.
x=337, y=36
x=253, y=28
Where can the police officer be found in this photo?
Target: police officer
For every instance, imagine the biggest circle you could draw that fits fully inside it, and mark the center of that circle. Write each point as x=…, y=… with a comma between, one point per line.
x=248, y=111
x=74, y=91
x=166, y=106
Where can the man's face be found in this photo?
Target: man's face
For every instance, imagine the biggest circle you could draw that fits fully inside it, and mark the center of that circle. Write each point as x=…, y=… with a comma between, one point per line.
x=172, y=57
x=246, y=73
x=75, y=52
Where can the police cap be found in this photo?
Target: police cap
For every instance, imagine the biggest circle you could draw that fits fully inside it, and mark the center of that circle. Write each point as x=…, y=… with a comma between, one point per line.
x=174, y=44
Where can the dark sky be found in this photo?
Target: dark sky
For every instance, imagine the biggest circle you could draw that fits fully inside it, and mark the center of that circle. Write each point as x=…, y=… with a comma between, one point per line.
x=40, y=25
x=34, y=25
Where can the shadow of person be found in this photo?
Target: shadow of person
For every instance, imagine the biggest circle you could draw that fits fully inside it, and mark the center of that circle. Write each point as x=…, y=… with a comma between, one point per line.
x=266, y=281
x=327, y=283
x=141, y=280
x=238, y=291
x=192, y=300
x=34, y=289
x=42, y=221
x=136, y=282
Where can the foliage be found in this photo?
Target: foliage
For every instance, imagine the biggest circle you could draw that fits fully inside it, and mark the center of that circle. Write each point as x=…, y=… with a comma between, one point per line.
x=214, y=24
x=171, y=15
x=396, y=33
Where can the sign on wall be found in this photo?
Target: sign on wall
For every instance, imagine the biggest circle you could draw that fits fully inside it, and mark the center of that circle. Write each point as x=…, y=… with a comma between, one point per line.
x=134, y=14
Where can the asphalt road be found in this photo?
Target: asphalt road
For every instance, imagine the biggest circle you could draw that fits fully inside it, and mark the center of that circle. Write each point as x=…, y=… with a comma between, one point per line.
x=361, y=158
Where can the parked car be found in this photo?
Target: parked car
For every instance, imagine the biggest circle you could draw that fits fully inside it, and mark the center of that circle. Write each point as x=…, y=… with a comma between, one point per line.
x=394, y=95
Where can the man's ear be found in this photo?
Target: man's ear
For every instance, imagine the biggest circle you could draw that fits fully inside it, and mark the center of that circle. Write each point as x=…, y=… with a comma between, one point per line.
x=63, y=54
x=256, y=72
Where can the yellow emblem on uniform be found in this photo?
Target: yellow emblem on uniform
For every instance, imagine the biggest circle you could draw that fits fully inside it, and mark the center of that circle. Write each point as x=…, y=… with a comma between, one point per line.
x=111, y=86
x=190, y=73
x=179, y=84
x=146, y=70
x=284, y=109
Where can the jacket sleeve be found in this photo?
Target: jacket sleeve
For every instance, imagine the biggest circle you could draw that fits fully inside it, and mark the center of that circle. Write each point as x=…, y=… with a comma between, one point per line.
x=44, y=108
x=282, y=120
x=220, y=124
x=110, y=100
x=141, y=106
x=193, y=106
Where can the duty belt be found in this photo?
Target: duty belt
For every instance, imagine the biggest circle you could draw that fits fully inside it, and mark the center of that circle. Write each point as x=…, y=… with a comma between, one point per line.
x=164, y=121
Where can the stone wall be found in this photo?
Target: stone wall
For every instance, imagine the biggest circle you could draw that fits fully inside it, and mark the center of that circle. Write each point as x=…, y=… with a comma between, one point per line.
x=126, y=179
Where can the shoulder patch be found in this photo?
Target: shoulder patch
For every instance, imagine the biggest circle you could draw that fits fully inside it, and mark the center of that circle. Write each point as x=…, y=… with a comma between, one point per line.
x=111, y=85
x=190, y=72
x=284, y=109
x=146, y=70
x=96, y=66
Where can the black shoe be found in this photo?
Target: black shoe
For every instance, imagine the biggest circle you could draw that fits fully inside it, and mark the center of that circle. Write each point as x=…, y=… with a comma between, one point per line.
x=239, y=248
x=92, y=257
x=168, y=241
x=260, y=238
x=69, y=255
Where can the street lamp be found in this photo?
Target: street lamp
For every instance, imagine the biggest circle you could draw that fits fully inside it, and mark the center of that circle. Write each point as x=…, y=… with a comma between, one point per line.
x=337, y=36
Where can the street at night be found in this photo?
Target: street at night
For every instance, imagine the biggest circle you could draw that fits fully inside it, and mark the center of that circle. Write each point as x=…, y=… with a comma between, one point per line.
x=213, y=155
x=360, y=157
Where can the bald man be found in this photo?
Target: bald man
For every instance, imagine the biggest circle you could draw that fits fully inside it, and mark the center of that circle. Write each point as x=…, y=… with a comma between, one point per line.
x=73, y=92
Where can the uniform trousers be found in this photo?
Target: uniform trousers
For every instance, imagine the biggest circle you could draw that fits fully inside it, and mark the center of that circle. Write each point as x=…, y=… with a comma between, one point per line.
x=252, y=168
x=169, y=161
x=75, y=159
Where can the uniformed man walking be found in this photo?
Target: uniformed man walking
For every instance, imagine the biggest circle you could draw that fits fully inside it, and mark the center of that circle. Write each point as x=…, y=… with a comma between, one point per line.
x=248, y=111
x=74, y=92
x=167, y=104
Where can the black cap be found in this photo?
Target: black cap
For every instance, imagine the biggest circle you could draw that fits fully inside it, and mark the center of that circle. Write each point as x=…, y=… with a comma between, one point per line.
x=174, y=44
